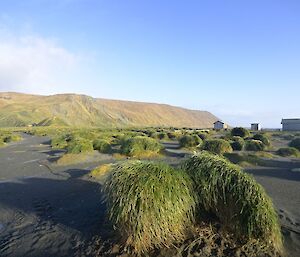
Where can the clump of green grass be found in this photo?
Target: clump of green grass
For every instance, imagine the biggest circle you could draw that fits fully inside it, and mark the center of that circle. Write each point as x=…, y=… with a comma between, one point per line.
x=263, y=138
x=237, y=200
x=295, y=143
x=11, y=137
x=203, y=135
x=60, y=141
x=237, y=143
x=190, y=140
x=79, y=145
x=151, y=204
x=102, y=146
x=288, y=151
x=245, y=159
x=140, y=145
x=254, y=145
x=217, y=146
x=241, y=132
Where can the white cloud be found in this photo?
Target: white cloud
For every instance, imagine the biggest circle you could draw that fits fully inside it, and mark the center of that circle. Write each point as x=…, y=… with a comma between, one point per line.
x=34, y=64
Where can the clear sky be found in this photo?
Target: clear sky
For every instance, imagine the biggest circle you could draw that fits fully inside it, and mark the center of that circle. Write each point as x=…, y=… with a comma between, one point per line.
x=237, y=59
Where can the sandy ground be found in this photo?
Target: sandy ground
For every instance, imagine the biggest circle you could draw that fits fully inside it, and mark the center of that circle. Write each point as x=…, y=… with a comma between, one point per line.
x=48, y=210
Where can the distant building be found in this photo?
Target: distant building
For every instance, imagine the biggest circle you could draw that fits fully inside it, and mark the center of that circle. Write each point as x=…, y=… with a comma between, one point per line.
x=255, y=126
x=290, y=124
x=220, y=125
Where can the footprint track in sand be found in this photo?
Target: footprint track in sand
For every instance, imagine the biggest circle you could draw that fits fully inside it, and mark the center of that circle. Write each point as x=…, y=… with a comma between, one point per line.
x=288, y=224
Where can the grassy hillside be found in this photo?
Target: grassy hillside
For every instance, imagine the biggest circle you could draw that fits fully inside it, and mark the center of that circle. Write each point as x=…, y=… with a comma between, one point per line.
x=18, y=109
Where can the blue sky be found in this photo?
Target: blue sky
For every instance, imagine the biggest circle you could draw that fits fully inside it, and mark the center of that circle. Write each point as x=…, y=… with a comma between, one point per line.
x=237, y=59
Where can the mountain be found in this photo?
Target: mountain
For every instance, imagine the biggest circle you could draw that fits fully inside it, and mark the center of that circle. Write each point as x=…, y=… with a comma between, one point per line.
x=18, y=109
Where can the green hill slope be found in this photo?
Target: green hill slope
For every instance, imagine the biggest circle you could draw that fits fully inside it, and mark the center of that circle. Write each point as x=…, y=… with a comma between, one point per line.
x=18, y=109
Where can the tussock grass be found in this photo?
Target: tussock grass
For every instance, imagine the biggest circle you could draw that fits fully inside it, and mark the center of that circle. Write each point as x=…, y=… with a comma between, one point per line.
x=101, y=171
x=60, y=141
x=217, y=146
x=237, y=200
x=295, y=143
x=79, y=145
x=245, y=159
x=102, y=146
x=288, y=151
x=151, y=204
x=8, y=137
x=190, y=141
x=69, y=158
x=139, y=146
x=237, y=143
x=263, y=138
x=241, y=132
x=254, y=145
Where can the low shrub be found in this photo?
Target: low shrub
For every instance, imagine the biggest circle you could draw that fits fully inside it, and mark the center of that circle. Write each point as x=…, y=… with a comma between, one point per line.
x=295, y=143
x=235, y=198
x=237, y=143
x=217, y=146
x=288, y=151
x=79, y=145
x=254, y=145
x=102, y=146
x=140, y=145
x=241, y=132
x=190, y=141
x=263, y=138
x=151, y=204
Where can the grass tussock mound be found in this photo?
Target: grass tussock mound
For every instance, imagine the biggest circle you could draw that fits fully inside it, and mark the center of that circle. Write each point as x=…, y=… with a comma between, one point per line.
x=102, y=146
x=79, y=145
x=151, y=204
x=217, y=146
x=295, y=143
x=237, y=200
x=190, y=141
x=8, y=137
x=263, y=138
x=140, y=146
x=254, y=145
x=101, y=171
x=237, y=143
x=60, y=141
x=288, y=152
x=240, y=132
x=70, y=158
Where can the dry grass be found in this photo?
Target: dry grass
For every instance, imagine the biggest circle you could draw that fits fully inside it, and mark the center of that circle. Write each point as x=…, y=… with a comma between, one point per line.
x=101, y=171
x=70, y=158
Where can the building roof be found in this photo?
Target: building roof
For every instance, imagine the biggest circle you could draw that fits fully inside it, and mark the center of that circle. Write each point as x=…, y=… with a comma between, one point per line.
x=255, y=123
x=296, y=119
x=219, y=121
x=289, y=120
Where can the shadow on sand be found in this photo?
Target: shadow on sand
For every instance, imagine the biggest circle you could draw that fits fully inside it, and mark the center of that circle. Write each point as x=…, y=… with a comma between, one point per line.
x=73, y=202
